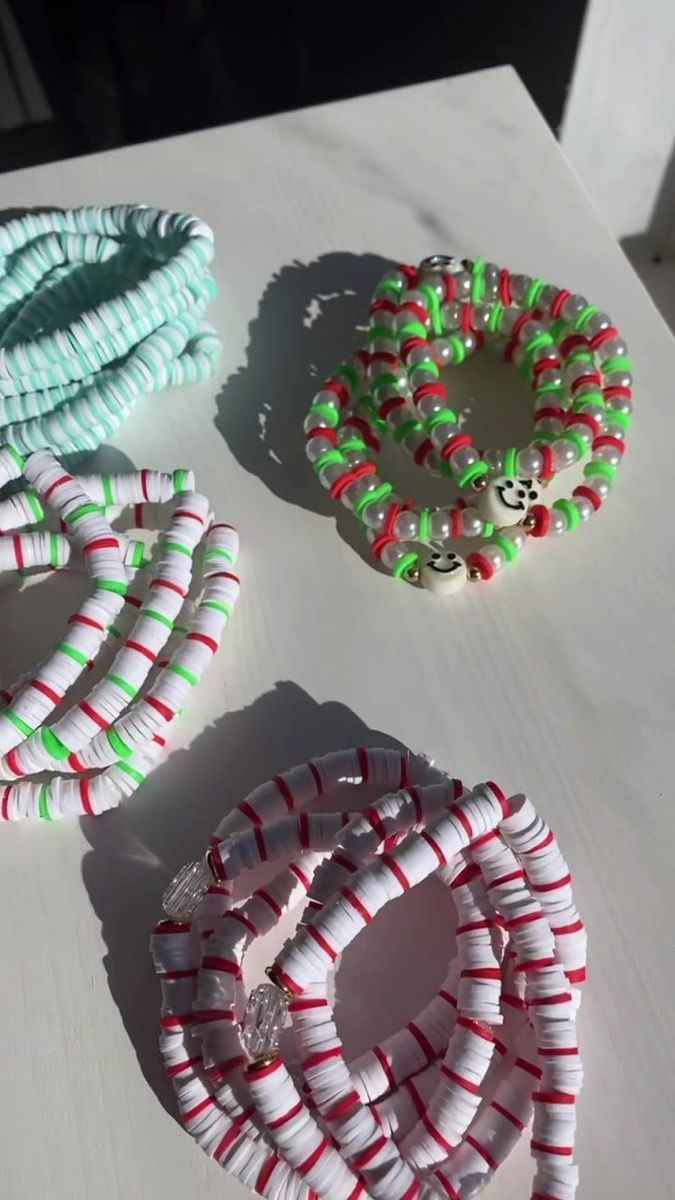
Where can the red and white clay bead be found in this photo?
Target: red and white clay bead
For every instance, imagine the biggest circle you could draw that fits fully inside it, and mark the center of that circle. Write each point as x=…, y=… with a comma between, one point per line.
x=434, y=1109
x=98, y=751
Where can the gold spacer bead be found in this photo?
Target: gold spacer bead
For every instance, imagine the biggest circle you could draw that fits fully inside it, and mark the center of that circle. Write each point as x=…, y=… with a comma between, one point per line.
x=529, y=521
x=272, y=976
x=211, y=864
x=475, y=575
x=414, y=575
x=480, y=484
x=265, y=1061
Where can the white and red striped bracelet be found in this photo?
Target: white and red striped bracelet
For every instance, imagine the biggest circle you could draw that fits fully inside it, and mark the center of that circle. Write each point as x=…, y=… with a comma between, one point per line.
x=434, y=1109
x=99, y=750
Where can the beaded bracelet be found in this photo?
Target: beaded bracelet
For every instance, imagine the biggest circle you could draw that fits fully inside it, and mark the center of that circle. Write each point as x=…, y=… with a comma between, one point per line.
x=98, y=751
x=423, y=318
x=97, y=307
x=435, y=1108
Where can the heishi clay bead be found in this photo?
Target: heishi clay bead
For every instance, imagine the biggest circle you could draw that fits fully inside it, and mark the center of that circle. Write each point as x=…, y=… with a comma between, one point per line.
x=424, y=319
x=70, y=387
x=443, y=1099
x=162, y=619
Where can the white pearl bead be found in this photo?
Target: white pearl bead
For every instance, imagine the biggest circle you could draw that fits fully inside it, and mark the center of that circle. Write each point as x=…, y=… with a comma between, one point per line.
x=472, y=523
x=584, y=506
x=429, y=405
x=564, y=453
x=407, y=526
x=496, y=556
x=609, y=455
x=317, y=446
x=440, y=434
x=601, y=486
x=530, y=462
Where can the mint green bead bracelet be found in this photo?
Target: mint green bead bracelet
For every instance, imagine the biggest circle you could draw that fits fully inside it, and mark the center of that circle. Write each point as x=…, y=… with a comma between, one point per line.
x=98, y=306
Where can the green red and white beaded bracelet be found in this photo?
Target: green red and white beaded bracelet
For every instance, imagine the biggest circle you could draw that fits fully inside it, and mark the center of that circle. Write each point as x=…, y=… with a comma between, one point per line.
x=422, y=319
x=57, y=761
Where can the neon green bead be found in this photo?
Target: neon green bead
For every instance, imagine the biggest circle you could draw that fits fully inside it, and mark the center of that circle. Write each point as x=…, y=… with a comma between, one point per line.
x=327, y=412
x=425, y=525
x=507, y=546
x=406, y=564
x=21, y=725
x=117, y=744
x=379, y=493
x=584, y=317
x=570, y=512
x=403, y=430
x=458, y=349
x=124, y=686
x=43, y=803
x=533, y=293
x=510, y=465
x=579, y=441
x=472, y=474
x=601, y=468
x=134, y=774
x=434, y=307
x=431, y=368
x=445, y=417
x=619, y=363
x=386, y=379
x=496, y=315
x=478, y=281
x=411, y=329
x=53, y=745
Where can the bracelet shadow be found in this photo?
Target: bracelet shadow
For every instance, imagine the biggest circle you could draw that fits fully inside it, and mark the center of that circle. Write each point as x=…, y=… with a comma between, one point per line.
x=310, y=318
x=136, y=851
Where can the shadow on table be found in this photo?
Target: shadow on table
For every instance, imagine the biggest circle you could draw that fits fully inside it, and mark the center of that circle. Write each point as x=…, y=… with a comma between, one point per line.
x=309, y=319
x=136, y=850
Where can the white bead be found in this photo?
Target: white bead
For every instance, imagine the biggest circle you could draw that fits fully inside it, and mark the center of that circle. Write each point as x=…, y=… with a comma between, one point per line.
x=496, y=556
x=584, y=506
x=407, y=525
x=558, y=523
x=443, y=572
x=506, y=501
x=317, y=446
x=564, y=453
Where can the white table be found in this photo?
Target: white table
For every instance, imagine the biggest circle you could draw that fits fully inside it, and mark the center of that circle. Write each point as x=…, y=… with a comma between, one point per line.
x=558, y=678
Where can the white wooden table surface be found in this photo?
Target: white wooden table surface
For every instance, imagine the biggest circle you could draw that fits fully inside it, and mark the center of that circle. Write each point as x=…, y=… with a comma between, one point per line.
x=557, y=679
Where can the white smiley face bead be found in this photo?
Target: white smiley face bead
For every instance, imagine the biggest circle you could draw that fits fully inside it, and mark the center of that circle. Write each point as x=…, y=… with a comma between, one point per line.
x=443, y=572
x=506, y=501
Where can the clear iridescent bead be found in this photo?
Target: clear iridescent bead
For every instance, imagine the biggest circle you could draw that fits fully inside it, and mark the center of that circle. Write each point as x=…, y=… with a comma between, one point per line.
x=186, y=890
x=265, y=1017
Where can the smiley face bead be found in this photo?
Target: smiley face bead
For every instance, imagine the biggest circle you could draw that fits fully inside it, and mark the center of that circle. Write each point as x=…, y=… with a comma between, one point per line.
x=443, y=572
x=506, y=501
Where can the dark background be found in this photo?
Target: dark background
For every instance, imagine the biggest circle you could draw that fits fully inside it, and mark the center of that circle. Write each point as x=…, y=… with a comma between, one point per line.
x=133, y=70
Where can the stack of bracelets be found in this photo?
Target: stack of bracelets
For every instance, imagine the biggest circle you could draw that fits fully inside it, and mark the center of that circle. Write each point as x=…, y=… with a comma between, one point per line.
x=422, y=319
x=97, y=307
x=57, y=761
x=434, y=1109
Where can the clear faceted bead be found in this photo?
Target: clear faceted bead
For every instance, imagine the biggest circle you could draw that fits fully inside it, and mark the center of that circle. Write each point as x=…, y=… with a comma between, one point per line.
x=264, y=1019
x=186, y=890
